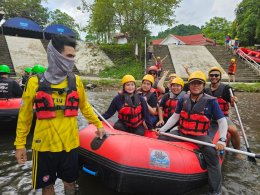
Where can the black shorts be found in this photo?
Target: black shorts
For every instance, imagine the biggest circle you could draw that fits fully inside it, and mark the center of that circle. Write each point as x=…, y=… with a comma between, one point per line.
x=48, y=166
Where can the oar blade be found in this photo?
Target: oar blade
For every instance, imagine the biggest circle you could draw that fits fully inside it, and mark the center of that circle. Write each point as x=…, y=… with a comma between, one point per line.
x=250, y=158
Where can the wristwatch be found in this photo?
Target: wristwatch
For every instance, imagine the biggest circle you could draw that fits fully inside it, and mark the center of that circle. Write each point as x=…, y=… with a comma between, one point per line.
x=222, y=139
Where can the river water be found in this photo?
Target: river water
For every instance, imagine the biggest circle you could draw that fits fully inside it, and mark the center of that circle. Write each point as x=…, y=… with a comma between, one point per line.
x=239, y=176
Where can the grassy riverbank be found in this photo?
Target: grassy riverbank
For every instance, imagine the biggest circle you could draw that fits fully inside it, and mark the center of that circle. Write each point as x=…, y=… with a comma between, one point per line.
x=247, y=87
x=116, y=84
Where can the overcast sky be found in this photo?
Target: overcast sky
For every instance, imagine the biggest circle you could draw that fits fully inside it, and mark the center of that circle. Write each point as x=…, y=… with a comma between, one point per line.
x=195, y=12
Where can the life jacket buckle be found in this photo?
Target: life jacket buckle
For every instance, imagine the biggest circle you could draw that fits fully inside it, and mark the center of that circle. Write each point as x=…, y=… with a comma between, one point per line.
x=61, y=91
x=45, y=102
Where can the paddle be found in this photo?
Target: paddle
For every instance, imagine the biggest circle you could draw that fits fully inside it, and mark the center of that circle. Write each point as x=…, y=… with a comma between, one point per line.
x=249, y=154
x=242, y=127
x=103, y=119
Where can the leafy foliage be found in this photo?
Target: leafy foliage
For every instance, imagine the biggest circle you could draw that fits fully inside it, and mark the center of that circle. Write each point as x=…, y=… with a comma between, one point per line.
x=129, y=16
x=247, y=22
x=118, y=52
x=181, y=30
x=217, y=28
x=125, y=63
x=30, y=9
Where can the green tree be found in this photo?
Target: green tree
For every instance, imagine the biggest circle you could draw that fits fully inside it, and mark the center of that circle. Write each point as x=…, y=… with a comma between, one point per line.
x=181, y=30
x=30, y=9
x=217, y=28
x=131, y=16
x=59, y=17
x=247, y=22
x=102, y=23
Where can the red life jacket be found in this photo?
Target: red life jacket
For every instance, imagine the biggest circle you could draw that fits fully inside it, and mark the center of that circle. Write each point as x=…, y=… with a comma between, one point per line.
x=192, y=120
x=218, y=93
x=170, y=104
x=158, y=94
x=158, y=65
x=131, y=113
x=232, y=68
x=45, y=107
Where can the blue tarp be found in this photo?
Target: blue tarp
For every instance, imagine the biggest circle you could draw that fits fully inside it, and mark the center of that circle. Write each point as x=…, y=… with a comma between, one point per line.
x=22, y=23
x=59, y=29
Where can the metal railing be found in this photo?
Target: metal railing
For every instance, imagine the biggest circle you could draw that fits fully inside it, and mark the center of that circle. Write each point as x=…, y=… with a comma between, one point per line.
x=252, y=63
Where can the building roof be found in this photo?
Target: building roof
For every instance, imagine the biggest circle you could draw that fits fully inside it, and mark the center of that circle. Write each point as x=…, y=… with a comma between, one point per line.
x=197, y=39
x=157, y=41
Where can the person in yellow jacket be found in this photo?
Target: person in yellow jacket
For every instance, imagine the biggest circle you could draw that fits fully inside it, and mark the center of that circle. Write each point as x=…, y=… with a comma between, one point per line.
x=57, y=95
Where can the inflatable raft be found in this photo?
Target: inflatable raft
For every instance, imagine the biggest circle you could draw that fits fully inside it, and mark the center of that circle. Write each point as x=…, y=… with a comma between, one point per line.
x=139, y=164
x=249, y=54
x=9, y=109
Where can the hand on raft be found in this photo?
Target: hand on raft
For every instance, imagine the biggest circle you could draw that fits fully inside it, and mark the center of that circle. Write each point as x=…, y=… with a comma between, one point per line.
x=100, y=132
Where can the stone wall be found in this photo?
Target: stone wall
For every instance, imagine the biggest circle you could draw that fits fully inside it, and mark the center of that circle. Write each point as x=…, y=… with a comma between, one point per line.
x=90, y=59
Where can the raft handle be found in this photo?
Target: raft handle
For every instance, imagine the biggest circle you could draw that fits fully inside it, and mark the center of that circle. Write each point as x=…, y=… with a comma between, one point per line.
x=86, y=170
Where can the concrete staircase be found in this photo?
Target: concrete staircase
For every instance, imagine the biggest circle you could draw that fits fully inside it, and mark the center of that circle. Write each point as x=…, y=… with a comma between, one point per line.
x=45, y=45
x=5, y=57
x=162, y=51
x=244, y=72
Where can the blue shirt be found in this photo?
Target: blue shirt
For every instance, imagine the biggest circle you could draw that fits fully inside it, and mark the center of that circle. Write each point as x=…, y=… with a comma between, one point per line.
x=211, y=110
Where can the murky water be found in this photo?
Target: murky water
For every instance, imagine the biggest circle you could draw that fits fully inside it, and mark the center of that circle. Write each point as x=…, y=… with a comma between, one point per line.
x=239, y=176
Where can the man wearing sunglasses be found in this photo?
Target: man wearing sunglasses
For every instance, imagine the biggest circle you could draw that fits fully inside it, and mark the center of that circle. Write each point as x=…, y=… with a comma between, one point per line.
x=194, y=112
x=221, y=92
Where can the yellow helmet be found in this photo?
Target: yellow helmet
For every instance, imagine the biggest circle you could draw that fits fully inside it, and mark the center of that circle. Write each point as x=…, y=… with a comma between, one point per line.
x=127, y=78
x=216, y=69
x=233, y=60
x=236, y=39
x=173, y=75
x=178, y=80
x=149, y=77
x=158, y=57
x=228, y=34
x=197, y=75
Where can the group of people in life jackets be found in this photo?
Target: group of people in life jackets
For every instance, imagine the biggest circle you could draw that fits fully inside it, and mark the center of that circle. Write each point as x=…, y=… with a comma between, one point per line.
x=192, y=107
x=235, y=44
x=9, y=87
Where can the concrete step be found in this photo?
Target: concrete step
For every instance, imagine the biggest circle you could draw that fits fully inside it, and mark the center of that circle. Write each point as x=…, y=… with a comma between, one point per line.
x=5, y=57
x=244, y=72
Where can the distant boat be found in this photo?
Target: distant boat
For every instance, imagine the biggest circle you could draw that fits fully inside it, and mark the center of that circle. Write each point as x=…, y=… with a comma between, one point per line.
x=249, y=54
x=9, y=109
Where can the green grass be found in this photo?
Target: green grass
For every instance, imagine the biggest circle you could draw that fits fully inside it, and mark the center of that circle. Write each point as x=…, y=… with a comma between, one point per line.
x=122, y=68
x=116, y=84
x=247, y=87
x=125, y=63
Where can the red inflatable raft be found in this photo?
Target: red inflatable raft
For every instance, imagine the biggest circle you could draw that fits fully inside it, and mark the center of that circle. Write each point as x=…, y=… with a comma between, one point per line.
x=138, y=164
x=9, y=109
x=249, y=54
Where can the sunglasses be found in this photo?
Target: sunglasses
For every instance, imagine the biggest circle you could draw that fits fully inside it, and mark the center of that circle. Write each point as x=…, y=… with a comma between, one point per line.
x=154, y=73
x=214, y=75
